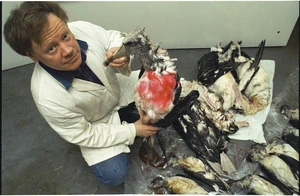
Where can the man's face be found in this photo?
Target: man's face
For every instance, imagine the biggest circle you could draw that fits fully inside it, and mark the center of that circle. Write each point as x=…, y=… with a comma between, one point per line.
x=59, y=48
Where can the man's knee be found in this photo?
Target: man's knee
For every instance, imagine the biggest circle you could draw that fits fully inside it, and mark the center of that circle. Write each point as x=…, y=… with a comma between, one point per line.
x=114, y=179
x=112, y=171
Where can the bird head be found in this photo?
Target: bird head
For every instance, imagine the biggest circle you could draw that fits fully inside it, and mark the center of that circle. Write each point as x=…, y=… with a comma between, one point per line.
x=152, y=56
x=136, y=42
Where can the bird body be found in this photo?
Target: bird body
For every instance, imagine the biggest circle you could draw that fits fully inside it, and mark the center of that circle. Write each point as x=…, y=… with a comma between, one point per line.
x=198, y=168
x=212, y=106
x=158, y=81
x=218, y=62
x=281, y=171
x=182, y=185
x=178, y=185
x=226, y=87
x=260, y=186
x=154, y=95
x=273, y=161
x=256, y=95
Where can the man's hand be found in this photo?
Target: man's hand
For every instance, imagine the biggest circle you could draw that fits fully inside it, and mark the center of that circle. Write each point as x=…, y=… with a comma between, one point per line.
x=143, y=130
x=118, y=62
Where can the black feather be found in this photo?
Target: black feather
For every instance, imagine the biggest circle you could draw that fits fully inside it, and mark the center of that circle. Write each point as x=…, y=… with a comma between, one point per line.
x=294, y=123
x=178, y=110
x=255, y=64
x=210, y=69
x=292, y=139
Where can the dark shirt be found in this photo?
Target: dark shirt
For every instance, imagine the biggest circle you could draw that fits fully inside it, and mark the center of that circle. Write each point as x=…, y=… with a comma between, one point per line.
x=83, y=72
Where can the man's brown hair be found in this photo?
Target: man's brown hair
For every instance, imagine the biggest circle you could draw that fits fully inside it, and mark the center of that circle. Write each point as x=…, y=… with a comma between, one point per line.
x=26, y=24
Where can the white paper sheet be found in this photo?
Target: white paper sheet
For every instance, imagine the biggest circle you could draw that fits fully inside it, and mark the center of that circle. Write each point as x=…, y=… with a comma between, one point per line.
x=255, y=130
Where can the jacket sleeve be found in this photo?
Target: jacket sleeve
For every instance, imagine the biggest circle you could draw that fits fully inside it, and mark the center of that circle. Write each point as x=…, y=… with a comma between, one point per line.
x=74, y=128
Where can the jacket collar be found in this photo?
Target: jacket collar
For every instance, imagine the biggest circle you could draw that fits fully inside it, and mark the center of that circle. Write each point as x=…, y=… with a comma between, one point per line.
x=66, y=77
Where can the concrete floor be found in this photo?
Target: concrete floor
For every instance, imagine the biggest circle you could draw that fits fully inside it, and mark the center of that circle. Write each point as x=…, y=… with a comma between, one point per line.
x=35, y=160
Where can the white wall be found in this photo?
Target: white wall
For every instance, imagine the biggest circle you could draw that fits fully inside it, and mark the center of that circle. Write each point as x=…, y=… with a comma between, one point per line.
x=10, y=58
x=181, y=24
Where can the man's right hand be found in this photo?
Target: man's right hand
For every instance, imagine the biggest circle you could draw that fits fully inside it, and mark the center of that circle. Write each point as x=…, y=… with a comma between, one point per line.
x=143, y=130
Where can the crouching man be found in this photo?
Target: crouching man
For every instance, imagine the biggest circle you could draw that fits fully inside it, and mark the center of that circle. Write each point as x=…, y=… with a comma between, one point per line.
x=75, y=93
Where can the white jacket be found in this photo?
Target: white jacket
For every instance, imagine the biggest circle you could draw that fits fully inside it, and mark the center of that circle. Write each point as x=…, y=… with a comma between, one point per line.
x=86, y=114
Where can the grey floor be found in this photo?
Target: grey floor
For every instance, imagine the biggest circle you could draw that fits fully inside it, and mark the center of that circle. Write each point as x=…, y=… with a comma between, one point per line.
x=35, y=160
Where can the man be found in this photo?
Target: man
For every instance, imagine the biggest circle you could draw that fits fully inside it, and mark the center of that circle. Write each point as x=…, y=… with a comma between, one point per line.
x=76, y=94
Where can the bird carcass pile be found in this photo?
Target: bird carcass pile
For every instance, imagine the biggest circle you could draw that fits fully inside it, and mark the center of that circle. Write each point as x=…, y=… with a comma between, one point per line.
x=199, y=112
x=238, y=81
x=229, y=82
